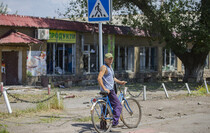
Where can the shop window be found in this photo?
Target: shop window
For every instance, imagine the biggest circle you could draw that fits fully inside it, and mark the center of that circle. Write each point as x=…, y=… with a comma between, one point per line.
x=90, y=59
x=124, y=58
x=148, y=59
x=60, y=58
x=169, y=61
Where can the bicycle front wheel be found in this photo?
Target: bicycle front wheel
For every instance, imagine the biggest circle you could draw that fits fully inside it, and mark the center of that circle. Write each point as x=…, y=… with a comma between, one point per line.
x=101, y=116
x=131, y=113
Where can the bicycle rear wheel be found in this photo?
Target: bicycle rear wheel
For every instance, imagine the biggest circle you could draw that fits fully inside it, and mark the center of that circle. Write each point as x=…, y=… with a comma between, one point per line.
x=131, y=113
x=101, y=117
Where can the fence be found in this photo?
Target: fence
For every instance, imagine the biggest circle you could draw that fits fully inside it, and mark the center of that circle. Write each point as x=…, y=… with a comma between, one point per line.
x=165, y=88
x=4, y=92
x=162, y=86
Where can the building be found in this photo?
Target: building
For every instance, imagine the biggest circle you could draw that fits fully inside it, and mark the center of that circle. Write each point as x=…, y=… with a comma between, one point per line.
x=40, y=50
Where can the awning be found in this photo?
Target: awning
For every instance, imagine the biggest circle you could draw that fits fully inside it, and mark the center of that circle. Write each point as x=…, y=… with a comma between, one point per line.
x=15, y=37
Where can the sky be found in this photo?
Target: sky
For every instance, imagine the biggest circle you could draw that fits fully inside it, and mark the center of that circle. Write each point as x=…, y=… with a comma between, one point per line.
x=37, y=8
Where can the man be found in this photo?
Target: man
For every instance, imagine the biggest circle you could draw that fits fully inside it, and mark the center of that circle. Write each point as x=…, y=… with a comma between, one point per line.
x=106, y=81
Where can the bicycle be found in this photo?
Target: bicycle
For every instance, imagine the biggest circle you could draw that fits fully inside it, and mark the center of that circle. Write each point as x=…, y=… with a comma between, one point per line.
x=102, y=112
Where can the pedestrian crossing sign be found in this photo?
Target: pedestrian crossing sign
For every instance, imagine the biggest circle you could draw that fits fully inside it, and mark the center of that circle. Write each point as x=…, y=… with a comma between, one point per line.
x=99, y=10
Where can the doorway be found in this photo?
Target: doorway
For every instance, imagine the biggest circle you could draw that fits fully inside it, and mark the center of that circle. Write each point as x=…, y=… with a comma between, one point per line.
x=10, y=61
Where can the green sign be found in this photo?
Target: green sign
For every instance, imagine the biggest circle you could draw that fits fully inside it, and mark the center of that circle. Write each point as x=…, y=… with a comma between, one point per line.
x=111, y=45
x=62, y=36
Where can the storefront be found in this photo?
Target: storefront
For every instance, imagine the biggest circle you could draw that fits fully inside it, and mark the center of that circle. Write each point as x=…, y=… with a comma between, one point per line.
x=70, y=55
x=13, y=56
x=61, y=50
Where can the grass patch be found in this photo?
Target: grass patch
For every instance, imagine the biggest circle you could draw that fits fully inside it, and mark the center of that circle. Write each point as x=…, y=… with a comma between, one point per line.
x=200, y=91
x=50, y=119
x=52, y=104
x=83, y=119
x=3, y=129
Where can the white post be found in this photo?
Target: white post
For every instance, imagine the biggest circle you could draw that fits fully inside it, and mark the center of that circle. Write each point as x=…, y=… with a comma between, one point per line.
x=7, y=101
x=165, y=90
x=207, y=90
x=144, y=94
x=2, y=87
x=58, y=97
x=100, y=44
x=49, y=88
x=189, y=92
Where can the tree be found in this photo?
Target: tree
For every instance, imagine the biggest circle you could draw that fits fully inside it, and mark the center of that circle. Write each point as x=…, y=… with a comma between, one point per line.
x=3, y=8
x=183, y=25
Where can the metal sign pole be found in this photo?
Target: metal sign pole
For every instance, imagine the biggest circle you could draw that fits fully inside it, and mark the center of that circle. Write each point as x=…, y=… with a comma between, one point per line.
x=100, y=44
x=99, y=11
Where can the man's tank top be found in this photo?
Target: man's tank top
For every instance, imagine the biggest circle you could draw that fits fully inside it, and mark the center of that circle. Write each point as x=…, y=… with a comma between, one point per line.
x=108, y=79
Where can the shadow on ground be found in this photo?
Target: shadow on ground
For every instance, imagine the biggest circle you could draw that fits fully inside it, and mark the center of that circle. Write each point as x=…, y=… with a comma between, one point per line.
x=88, y=128
x=85, y=127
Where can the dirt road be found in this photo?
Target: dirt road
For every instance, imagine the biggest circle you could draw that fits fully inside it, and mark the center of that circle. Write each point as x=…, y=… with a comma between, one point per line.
x=177, y=114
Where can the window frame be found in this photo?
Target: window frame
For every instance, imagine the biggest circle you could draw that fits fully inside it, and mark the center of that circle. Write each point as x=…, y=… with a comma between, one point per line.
x=53, y=47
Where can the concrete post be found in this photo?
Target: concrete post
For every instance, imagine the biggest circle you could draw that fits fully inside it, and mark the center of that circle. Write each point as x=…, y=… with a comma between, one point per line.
x=165, y=90
x=207, y=90
x=144, y=94
x=188, y=89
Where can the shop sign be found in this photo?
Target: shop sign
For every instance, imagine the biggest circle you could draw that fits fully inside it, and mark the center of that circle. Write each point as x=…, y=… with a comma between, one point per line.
x=60, y=36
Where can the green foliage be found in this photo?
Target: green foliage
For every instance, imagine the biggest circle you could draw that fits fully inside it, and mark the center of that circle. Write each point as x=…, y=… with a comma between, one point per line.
x=75, y=9
x=52, y=104
x=3, y=8
x=29, y=74
x=40, y=107
x=183, y=25
x=200, y=91
x=3, y=129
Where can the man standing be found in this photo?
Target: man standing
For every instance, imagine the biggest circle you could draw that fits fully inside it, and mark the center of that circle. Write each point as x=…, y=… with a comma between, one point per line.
x=106, y=81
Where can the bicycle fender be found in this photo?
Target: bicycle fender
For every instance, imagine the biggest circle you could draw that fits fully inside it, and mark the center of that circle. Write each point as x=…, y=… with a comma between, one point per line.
x=92, y=108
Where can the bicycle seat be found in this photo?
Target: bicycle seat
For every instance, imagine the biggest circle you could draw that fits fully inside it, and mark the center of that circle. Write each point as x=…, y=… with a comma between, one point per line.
x=103, y=93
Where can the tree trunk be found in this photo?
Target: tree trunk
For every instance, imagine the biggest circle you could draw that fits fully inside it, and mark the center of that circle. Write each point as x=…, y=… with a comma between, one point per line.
x=194, y=66
x=194, y=74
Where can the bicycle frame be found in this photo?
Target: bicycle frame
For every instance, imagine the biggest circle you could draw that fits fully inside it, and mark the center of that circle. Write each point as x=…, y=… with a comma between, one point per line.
x=121, y=97
x=106, y=100
x=104, y=111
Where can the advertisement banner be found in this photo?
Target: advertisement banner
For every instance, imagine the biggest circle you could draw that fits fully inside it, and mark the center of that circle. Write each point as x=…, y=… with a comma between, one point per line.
x=36, y=63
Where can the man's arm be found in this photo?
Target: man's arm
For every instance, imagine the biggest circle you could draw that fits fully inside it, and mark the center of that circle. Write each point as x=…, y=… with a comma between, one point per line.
x=120, y=82
x=100, y=76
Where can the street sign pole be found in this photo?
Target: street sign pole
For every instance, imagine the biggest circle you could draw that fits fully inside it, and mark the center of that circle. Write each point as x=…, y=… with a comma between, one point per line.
x=99, y=11
x=100, y=44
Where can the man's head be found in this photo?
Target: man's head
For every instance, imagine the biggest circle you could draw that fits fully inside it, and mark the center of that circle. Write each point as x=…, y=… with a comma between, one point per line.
x=108, y=58
x=108, y=55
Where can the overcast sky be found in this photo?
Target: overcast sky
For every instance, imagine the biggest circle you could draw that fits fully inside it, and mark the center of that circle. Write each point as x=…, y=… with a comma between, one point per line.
x=37, y=8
